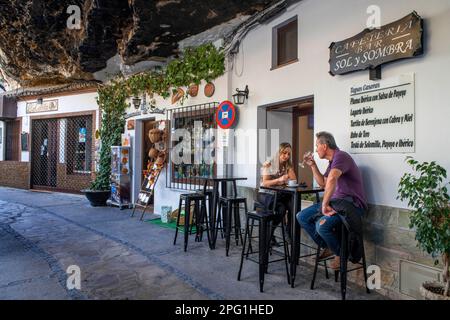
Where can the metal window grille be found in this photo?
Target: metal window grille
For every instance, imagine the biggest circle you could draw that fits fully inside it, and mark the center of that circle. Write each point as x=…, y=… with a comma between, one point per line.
x=188, y=167
x=62, y=153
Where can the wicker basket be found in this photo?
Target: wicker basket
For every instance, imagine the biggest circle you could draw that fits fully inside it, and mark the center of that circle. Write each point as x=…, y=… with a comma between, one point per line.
x=174, y=216
x=153, y=153
x=155, y=135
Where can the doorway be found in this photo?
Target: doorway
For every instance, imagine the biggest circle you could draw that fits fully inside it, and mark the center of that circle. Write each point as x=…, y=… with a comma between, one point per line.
x=62, y=153
x=303, y=139
x=44, y=153
x=295, y=120
x=146, y=145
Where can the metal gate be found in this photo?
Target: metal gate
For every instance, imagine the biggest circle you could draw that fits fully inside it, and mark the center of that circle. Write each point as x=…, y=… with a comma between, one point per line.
x=62, y=153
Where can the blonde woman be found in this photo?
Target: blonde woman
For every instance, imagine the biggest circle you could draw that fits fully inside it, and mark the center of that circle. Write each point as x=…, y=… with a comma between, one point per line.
x=278, y=172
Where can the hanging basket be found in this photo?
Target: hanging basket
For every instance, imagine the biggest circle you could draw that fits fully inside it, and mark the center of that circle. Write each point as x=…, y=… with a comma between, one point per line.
x=155, y=135
x=161, y=158
x=160, y=146
x=153, y=153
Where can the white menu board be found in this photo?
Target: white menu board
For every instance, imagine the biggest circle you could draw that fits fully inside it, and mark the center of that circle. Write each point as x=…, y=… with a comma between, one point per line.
x=382, y=117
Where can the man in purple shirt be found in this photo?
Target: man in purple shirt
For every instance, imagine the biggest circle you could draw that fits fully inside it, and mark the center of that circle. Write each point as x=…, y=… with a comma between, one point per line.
x=342, y=180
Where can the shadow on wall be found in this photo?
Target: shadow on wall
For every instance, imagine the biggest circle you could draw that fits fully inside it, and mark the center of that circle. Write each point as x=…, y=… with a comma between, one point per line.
x=371, y=182
x=373, y=233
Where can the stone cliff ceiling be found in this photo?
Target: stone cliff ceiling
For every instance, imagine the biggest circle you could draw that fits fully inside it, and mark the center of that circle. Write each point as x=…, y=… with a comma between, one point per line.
x=36, y=47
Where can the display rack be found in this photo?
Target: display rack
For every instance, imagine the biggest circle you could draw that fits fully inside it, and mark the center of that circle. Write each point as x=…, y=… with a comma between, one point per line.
x=120, y=177
x=147, y=188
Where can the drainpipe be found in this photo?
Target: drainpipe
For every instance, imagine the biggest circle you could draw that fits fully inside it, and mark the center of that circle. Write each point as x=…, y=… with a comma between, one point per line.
x=229, y=152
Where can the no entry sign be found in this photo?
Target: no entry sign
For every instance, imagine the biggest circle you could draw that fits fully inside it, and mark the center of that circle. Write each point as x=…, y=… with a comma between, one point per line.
x=225, y=115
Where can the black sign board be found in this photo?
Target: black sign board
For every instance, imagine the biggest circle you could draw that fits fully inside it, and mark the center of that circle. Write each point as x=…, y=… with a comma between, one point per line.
x=373, y=48
x=24, y=141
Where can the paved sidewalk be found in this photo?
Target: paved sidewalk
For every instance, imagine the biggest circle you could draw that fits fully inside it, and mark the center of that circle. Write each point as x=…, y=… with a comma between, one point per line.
x=42, y=234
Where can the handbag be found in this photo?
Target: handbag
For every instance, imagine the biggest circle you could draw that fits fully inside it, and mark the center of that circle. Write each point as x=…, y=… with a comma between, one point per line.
x=265, y=200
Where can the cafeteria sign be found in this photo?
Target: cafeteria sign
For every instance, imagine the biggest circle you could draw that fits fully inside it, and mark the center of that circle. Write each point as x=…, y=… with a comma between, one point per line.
x=372, y=48
x=45, y=106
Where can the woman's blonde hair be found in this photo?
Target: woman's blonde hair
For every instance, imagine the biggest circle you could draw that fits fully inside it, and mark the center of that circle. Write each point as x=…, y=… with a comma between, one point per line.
x=288, y=165
x=275, y=165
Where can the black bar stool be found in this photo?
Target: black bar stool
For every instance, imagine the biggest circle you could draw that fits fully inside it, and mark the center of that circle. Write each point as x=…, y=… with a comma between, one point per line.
x=316, y=265
x=344, y=262
x=209, y=193
x=199, y=217
x=229, y=210
x=264, y=220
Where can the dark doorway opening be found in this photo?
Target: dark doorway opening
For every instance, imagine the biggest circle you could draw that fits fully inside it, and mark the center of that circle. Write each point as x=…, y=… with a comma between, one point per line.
x=44, y=153
x=295, y=119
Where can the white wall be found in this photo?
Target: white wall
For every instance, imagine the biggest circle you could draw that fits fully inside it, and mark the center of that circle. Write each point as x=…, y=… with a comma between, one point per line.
x=322, y=22
x=66, y=104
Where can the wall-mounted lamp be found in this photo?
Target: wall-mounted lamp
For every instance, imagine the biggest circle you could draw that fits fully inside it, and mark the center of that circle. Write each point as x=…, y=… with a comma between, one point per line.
x=240, y=96
x=40, y=101
x=136, y=102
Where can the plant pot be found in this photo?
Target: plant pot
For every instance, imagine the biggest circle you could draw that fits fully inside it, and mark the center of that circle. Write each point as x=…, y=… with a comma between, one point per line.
x=433, y=291
x=97, y=198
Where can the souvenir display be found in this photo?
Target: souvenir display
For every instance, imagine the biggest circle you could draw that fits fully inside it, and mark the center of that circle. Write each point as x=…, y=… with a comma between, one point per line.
x=148, y=186
x=200, y=170
x=120, y=176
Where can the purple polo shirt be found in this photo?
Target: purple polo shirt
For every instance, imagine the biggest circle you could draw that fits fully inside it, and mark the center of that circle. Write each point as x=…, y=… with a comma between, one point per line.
x=350, y=183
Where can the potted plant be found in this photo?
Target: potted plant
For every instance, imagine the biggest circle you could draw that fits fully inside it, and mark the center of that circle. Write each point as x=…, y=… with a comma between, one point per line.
x=98, y=194
x=426, y=192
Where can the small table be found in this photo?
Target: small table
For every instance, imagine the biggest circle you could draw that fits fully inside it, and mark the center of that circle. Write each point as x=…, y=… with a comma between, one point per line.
x=223, y=182
x=296, y=193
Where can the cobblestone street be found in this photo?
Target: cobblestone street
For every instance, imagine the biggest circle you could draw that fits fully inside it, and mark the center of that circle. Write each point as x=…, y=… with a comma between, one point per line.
x=41, y=234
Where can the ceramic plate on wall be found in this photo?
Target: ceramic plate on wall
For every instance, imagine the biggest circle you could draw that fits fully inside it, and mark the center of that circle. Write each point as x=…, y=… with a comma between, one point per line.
x=209, y=89
x=193, y=90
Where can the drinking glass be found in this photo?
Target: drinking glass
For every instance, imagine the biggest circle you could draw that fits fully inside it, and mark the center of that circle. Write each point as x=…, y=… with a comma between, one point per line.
x=306, y=156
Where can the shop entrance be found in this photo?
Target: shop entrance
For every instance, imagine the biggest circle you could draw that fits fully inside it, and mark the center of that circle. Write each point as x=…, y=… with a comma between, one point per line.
x=303, y=138
x=295, y=120
x=44, y=153
x=147, y=145
x=62, y=153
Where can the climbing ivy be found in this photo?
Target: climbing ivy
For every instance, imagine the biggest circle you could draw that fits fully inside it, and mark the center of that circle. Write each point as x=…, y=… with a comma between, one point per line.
x=112, y=102
x=197, y=64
